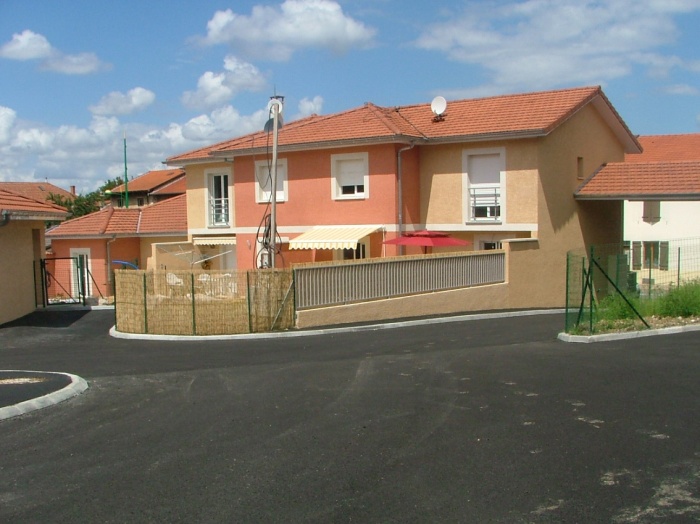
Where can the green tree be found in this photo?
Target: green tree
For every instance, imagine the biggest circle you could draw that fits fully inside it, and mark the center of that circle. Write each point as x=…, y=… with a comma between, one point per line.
x=85, y=204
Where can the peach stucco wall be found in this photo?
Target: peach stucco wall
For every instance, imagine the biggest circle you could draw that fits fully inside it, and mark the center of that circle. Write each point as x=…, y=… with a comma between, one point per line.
x=127, y=249
x=309, y=200
x=20, y=250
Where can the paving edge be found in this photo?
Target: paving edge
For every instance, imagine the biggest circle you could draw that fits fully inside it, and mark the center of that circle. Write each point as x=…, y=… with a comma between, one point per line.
x=326, y=331
x=607, y=337
x=76, y=387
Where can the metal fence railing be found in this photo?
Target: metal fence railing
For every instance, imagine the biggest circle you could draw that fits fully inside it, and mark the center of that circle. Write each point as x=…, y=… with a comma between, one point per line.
x=203, y=302
x=372, y=279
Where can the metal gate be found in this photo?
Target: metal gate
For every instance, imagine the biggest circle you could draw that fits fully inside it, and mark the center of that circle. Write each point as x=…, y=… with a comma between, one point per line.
x=64, y=280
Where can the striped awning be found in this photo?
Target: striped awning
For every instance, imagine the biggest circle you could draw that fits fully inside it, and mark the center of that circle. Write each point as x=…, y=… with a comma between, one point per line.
x=214, y=241
x=332, y=237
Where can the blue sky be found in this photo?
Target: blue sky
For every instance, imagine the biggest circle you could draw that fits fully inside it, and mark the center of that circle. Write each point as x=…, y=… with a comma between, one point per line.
x=175, y=75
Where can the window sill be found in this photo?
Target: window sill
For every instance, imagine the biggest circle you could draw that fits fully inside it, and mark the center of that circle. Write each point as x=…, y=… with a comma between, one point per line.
x=484, y=222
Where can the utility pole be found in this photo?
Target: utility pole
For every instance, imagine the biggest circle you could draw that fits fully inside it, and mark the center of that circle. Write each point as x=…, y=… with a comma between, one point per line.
x=126, y=178
x=275, y=107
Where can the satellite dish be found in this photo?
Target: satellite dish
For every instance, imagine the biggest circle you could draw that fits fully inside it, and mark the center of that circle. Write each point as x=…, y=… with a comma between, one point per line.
x=269, y=125
x=275, y=102
x=438, y=105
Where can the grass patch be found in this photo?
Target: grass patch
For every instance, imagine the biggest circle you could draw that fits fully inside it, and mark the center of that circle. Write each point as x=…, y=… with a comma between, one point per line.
x=613, y=314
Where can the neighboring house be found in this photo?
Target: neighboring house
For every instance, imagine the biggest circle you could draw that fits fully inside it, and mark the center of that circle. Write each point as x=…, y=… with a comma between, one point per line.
x=661, y=190
x=128, y=235
x=40, y=191
x=21, y=248
x=497, y=172
x=149, y=188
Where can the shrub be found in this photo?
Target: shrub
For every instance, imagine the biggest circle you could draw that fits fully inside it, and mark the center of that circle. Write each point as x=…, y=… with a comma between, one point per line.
x=614, y=307
x=683, y=301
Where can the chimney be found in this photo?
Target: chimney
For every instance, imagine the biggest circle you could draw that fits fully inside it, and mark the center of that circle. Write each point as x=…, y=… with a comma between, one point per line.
x=72, y=190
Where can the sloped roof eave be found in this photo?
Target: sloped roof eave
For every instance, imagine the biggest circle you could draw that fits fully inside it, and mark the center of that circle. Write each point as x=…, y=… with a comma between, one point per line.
x=326, y=144
x=662, y=197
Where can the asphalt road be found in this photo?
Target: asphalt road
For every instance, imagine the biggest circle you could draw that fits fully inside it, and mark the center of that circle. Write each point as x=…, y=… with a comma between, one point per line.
x=478, y=421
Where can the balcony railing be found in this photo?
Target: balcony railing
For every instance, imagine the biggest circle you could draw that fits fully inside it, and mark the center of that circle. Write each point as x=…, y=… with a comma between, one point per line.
x=485, y=204
x=218, y=212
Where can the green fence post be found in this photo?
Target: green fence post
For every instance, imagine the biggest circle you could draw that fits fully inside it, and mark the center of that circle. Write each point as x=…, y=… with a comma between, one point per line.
x=145, y=303
x=590, y=290
x=566, y=301
x=250, y=312
x=194, y=311
x=114, y=293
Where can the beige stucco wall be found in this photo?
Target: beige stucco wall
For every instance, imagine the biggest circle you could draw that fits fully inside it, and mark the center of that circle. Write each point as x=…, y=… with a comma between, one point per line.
x=20, y=247
x=197, y=193
x=520, y=291
x=148, y=260
x=442, y=190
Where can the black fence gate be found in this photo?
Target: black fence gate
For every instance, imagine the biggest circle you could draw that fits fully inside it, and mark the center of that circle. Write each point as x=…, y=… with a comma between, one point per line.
x=64, y=280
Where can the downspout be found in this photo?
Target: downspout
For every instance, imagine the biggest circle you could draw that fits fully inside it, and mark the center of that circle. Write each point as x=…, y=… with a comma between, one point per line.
x=399, y=189
x=109, y=264
x=5, y=218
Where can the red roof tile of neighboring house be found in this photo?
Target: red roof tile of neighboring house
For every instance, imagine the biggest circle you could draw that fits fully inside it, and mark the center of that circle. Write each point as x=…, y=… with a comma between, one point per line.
x=36, y=190
x=18, y=206
x=667, y=169
x=166, y=218
x=176, y=187
x=511, y=116
x=151, y=180
x=649, y=180
x=667, y=148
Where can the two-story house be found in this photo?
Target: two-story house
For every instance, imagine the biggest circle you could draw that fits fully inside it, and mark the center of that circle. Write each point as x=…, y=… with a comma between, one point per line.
x=149, y=188
x=491, y=171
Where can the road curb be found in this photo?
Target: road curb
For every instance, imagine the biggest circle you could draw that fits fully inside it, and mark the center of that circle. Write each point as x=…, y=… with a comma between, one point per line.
x=607, y=337
x=326, y=331
x=76, y=387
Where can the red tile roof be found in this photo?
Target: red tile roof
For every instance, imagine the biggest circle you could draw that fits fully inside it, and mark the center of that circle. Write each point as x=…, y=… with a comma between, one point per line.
x=36, y=190
x=176, y=187
x=668, y=148
x=648, y=180
x=18, y=207
x=151, y=180
x=164, y=218
x=667, y=169
x=510, y=116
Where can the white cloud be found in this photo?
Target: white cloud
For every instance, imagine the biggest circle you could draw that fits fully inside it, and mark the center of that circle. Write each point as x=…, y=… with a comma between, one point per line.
x=26, y=45
x=117, y=103
x=221, y=124
x=544, y=43
x=276, y=32
x=214, y=89
x=82, y=64
x=308, y=107
x=87, y=156
x=682, y=89
x=7, y=120
x=29, y=45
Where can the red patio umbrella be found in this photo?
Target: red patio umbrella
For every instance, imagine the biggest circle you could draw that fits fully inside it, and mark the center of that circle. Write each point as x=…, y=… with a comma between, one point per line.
x=427, y=239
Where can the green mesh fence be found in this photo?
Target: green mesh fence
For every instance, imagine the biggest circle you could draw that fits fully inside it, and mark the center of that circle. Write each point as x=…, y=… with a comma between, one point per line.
x=631, y=274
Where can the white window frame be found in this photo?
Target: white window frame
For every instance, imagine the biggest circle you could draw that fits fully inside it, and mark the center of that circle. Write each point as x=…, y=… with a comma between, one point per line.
x=336, y=183
x=211, y=177
x=75, y=253
x=468, y=186
x=262, y=172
